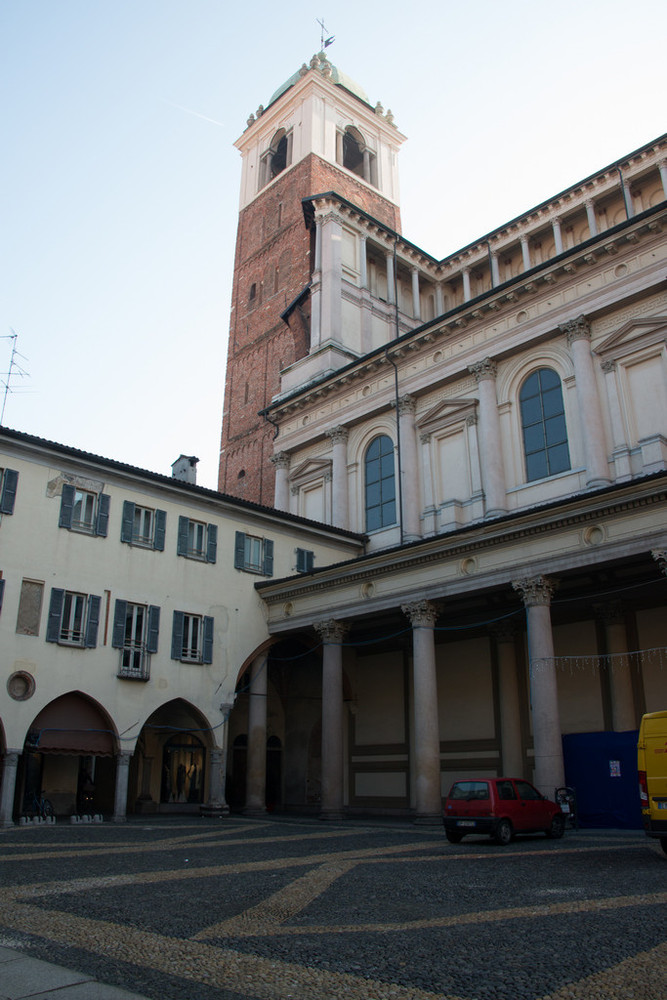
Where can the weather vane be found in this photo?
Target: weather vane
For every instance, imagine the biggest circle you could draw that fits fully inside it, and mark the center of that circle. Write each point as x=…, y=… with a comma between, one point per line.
x=324, y=42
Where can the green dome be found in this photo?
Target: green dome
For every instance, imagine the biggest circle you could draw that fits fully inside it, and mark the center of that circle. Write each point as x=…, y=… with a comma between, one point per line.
x=321, y=64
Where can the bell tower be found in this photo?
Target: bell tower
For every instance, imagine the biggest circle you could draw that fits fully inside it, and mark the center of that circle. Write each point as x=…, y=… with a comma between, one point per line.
x=318, y=134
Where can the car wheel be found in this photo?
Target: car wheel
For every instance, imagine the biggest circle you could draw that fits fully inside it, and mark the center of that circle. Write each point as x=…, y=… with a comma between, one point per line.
x=504, y=832
x=452, y=837
x=663, y=844
x=557, y=828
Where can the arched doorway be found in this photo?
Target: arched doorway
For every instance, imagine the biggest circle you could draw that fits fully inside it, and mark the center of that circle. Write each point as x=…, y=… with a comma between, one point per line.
x=69, y=754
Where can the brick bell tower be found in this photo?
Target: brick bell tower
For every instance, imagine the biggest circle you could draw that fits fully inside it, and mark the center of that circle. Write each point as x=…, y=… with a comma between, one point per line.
x=318, y=134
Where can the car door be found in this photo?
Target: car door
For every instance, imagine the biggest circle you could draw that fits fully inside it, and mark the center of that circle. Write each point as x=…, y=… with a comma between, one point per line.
x=531, y=811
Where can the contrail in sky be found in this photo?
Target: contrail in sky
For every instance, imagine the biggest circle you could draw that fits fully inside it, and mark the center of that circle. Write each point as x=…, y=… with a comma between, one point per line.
x=197, y=114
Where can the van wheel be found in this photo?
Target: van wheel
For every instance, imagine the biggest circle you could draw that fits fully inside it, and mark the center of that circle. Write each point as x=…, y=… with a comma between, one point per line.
x=504, y=832
x=557, y=828
x=663, y=844
x=452, y=837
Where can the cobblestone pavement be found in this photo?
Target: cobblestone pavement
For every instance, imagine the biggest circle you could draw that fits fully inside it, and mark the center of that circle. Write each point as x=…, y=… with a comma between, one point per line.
x=235, y=909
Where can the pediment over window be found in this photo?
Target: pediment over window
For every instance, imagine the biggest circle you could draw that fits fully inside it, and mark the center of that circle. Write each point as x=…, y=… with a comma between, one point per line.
x=633, y=336
x=311, y=470
x=449, y=411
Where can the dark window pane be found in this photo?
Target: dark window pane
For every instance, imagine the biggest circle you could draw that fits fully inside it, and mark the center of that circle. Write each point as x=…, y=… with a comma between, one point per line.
x=559, y=459
x=534, y=438
x=531, y=411
x=548, y=379
x=536, y=466
x=555, y=430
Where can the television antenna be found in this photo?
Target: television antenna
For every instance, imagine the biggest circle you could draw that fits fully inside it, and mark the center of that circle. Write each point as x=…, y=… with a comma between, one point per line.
x=16, y=370
x=324, y=42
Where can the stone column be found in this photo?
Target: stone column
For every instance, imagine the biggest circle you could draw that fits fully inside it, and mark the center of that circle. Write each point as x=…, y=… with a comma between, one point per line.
x=331, y=633
x=423, y=615
x=620, y=678
x=339, y=490
x=439, y=300
x=409, y=468
x=508, y=691
x=465, y=274
x=339, y=147
x=281, y=490
x=332, y=278
x=525, y=253
x=493, y=472
x=495, y=272
x=472, y=438
x=549, y=769
x=592, y=219
x=416, y=303
x=429, y=512
x=9, y=763
x=367, y=165
x=122, y=775
x=578, y=333
x=621, y=453
x=363, y=269
x=255, y=802
x=662, y=167
x=391, y=283
x=558, y=236
x=316, y=290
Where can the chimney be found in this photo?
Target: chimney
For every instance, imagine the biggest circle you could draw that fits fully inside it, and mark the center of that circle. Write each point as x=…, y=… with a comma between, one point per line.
x=185, y=469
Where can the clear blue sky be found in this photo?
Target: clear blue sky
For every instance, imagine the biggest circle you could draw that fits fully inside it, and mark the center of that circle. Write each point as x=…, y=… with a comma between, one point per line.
x=119, y=181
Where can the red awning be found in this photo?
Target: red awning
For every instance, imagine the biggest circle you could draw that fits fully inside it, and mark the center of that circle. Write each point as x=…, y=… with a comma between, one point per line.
x=72, y=725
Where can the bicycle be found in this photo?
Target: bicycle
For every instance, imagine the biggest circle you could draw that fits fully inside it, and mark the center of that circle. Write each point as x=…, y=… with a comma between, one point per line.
x=41, y=806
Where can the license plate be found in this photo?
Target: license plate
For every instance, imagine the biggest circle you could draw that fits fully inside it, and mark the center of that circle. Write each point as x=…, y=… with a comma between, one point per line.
x=662, y=805
x=465, y=822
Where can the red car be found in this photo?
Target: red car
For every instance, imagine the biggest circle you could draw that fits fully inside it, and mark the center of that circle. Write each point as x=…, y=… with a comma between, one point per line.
x=500, y=807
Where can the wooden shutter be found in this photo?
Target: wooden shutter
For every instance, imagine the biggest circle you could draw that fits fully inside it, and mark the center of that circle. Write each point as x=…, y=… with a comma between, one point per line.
x=160, y=529
x=182, y=542
x=66, y=506
x=9, y=481
x=127, y=522
x=153, y=629
x=177, y=635
x=92, y=621
x=268, y=557
x=119, y=619
x=239, y=550
x=102, y=525
x=211, y=543
x=55, y=614
x=207, y=645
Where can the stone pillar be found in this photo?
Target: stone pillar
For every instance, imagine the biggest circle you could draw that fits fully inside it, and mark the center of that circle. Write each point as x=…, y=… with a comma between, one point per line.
x=620, y=678
x=9, y=764
x=416, y=303
x=281, y=490
x=363, y=268
x=331, y=633
x=465, y=274
x=472, y=438
x=558, y=236
x=316, y=290
x=339, y=498
x=525, y=253
x=439, y=300
x=592, y=219
x=495, y=272
x=423, y=615
x=409, y=469
x=429, y=512
x=332, y=278
x=122, y=775
x=493, y=472
x=578, y=333
x=549, y=768
x=621, y=452
x=662, y=166
x=339, y=147
x=508, y=691
x=391, y=282
x=367, y=165
x=255, y=801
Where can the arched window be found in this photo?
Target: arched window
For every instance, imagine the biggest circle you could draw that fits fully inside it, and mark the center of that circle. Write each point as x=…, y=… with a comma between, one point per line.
x=277, y=157
x=380, y=484
x=353, y=155
x=543, y=424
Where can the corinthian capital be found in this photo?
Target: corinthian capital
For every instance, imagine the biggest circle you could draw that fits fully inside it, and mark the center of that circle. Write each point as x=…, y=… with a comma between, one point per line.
x=483, y=369
x=281, y=460
x=331, y=630
x=422, y=613
x=660, y=556
x=407, y=404
x=535, y=590
x=338, y=435
x=576, y=329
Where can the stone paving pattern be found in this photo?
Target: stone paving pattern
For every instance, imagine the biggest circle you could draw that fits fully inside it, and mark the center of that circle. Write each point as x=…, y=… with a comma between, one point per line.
x=237, y=909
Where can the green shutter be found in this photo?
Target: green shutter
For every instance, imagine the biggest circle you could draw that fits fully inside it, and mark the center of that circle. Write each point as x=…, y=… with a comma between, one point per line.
x=182, y=541
x=9, y=482
x=66, y=506
x=268, y=557
x=119, y=619
x=127, y=522
x=102, y=525
x=55, y=614
x=207, y=645
x=153, y=629
x=211, y=543
x=160, y=529
x=92, y=621
x=239, y=550
x=177, y=635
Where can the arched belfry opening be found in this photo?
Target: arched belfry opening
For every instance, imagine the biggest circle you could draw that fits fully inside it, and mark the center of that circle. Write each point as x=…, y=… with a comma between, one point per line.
x=277, y=157
x=353, y=153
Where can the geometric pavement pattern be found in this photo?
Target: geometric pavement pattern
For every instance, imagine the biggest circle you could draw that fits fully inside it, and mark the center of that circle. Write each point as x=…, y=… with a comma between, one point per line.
x=238, y=909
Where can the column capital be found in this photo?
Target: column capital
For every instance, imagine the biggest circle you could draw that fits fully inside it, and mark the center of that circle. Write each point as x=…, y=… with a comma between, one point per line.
x=485, y=369
x=660, y=556
x=425, y=436
x=407, y=404
x=422, y=614
x=280, y=460
x=608, y=367
x=331, y=631
x=338, y=435
x=535, y=591
x=576, y=329
x=472, y=420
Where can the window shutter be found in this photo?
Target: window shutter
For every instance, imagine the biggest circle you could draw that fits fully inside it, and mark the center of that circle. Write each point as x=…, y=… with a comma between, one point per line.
x=239, y=550
x=211, y=543
x=55, y=614
x=177, y=635
x=160, y=529
x=153, y=629
x=207, y=645
x=127, y=522
x=92, y=621
x=268, y=557
x=182, y=543
x=66, y=506
x=103, y=504
x=304, y=560
x=2, y=591
x=118, y=631
x=9, y=481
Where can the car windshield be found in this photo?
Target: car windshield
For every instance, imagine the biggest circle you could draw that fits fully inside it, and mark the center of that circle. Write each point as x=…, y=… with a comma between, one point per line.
x=469, y=790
